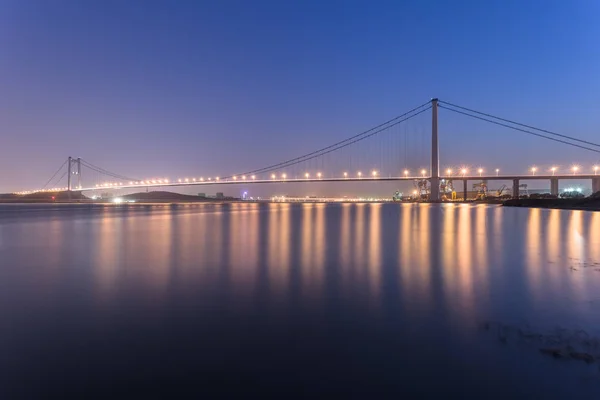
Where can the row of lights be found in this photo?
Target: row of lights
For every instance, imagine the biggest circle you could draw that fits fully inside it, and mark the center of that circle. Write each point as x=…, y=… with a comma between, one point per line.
x=449, y=172
x=201, y=179
x=574, y=169
x=133, y=183
x=56, y=189
x=320, y=175
x=463, y=171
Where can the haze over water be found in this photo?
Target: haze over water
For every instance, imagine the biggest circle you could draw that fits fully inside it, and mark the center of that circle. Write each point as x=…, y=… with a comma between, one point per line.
x=296, y=299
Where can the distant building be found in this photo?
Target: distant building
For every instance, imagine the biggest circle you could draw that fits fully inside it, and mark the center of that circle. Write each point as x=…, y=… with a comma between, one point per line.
x=220, y=195
x=203, y=195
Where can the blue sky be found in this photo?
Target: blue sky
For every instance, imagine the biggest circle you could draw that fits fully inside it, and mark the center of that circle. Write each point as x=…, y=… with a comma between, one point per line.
x=174, y=88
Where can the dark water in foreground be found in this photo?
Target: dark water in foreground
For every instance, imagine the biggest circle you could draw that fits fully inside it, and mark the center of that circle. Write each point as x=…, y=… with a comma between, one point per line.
x=306, y=300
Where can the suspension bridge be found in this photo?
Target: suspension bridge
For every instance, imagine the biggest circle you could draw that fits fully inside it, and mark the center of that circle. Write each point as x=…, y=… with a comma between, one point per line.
x=381, y=153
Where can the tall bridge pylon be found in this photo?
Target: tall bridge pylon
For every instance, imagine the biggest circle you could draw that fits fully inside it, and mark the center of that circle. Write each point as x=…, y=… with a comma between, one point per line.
x=435, y=153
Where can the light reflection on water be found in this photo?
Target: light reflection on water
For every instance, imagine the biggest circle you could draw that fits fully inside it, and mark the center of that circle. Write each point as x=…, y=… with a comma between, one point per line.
x=391, y=273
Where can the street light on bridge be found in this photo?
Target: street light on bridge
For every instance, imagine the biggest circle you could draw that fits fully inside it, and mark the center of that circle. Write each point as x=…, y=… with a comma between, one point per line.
x=596, y=168
x=480, y=170
x=345, y=174
x=405, y=172
x=253, y=177
x=497, y=172
x=272, y=176
x=463, y=172
x=423, y=172
x=307, y=175
x=553, y=169
x=449, y=171
x=575, y=169
x=319, y=175
x=359, y=174
x=374, y=173
x=244, y=177
x=283, y=176
x=533, y=169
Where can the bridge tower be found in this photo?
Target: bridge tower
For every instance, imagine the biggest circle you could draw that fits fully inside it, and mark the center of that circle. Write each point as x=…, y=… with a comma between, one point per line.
x=435, y=153
x=79, y=173
x=70, y=172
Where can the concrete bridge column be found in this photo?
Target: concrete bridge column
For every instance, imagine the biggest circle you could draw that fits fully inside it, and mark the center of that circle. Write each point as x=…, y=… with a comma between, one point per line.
x=515, y=189
x=596, y=185
x=465, y=188
x=554, y=186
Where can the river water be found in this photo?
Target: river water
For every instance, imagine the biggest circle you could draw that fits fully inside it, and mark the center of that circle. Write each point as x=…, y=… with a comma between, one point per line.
x=307, y=300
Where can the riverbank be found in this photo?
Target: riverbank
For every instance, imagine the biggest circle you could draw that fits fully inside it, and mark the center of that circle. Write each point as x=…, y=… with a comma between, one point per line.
x=588, y=203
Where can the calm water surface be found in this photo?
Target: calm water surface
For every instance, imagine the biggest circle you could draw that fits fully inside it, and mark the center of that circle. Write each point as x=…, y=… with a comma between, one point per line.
x=303, y=300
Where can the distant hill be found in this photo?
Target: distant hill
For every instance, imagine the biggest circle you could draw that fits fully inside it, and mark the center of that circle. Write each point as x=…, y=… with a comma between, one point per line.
x=42, y=197
x=159, y=196
x=151, y=197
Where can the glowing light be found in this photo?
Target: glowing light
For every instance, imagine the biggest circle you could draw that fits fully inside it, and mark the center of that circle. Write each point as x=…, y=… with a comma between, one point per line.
x=253, y=177
x=359, y=174
x=319, y=175
x=283, y=176
x=553, y=169
x=405, y=172
x=244, y=177
x=449, y=171
x=179, y=180
x=272, y=176
x=235, y=178
x=131, y=183
x=480, y=170
x=374, y=173
x=533, y=169
x=187, y=180
x=423, y=172
x=193, y=180
x=345, y=174
x=217, y=178
x=117, y=200
x=166, y=181
x=307, y=175
x=415, y=192
x=463, y=171
x=575, y=169
x=596, y=168
x=201, y=179
x=497, y=171
x=160, y=180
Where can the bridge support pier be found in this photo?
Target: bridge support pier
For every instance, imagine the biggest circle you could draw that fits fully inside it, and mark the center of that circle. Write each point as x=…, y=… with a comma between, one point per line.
x=554, y=186
x=465, y=189
x=515, y=189
x=596, y=185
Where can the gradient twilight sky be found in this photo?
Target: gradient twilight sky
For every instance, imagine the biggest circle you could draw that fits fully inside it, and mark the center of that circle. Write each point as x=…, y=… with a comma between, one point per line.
x=170, y=88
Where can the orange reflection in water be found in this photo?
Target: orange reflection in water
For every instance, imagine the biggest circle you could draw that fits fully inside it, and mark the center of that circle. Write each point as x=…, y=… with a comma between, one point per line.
x=532, y=249
x=374, y=263
x=279, y=234
x=243, y=247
